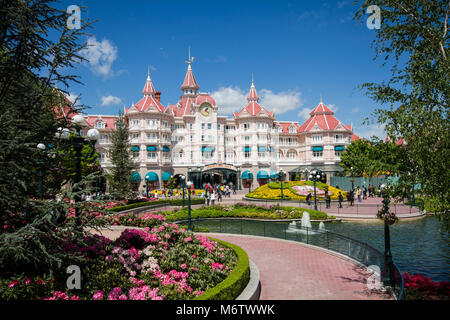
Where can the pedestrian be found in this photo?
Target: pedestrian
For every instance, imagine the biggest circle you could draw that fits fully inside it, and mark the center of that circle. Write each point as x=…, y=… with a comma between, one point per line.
x=308, y=199
x=213, y=197
x=364, y=193
x=350, y=198
x=328, y=201
x=208, y=197
x=219, y=196
x=358, y=194
x=340, y=199
x=234, y=189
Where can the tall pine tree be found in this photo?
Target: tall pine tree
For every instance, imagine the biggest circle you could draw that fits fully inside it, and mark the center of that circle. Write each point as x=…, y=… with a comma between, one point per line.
x=119, y=177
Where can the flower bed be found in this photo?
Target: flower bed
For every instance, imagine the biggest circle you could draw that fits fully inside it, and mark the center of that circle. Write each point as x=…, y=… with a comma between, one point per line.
x=419, y=287
x=163, y=262
x=294, y=190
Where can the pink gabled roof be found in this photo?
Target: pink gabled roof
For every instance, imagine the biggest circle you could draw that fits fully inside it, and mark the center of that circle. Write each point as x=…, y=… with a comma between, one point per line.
x=108, y=120
x=324, y=118
x=253, y=108
x=286, y=125
x=189, y=80
x=184, y=106
x=148, y=88
x=204, y=97
x=252, y=95
x=354, y=137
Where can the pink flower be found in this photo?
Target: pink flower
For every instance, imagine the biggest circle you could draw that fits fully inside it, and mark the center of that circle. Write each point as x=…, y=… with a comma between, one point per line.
x=13, y=283
x=183, y=266
x=123, y=297
x=98, y=295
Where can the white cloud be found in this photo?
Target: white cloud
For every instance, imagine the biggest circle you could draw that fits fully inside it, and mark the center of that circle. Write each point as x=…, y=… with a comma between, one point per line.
x=355, y=110
x=110, y=100
x=100, y=55
x=230, y=99
x=281, y=102
x=367, y=131
x=304, y=113
x=333, y=107
x=72, y=97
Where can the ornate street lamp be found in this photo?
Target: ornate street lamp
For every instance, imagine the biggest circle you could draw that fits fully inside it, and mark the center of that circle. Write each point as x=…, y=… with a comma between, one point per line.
x=92, y=136
x=189, y=184
x=41, y=147
x=352, y=179
x=316, y=175
x=281, y=174
x=183, y=185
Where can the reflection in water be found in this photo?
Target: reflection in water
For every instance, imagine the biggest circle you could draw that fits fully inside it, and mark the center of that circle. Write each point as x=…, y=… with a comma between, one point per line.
x=417, y=246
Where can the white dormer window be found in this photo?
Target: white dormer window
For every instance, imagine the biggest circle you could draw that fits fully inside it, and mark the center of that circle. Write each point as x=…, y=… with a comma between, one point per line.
x=100, y=124
x=292, y=130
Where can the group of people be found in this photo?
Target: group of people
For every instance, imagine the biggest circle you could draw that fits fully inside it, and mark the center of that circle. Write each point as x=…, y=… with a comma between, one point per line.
x=218, y=191
x=358, y=193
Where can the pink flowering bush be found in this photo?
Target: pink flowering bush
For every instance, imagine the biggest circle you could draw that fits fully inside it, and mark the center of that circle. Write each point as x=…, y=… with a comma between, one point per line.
x=419, y=287
x=160, y=262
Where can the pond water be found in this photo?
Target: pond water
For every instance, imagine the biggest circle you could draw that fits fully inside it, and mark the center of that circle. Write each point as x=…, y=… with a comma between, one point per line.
x=417, y=246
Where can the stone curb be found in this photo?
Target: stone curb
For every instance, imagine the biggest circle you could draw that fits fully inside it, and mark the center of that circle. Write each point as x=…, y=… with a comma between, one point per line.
x=253, y=289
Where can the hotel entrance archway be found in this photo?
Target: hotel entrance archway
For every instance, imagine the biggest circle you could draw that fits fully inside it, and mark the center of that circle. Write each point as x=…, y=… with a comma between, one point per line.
x=215, y=174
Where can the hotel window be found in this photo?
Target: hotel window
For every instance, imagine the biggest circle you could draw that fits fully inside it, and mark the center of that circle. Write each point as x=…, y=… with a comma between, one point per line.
x=135, y=123
x=349, y=139
x=292, y=130
x=100, y=125
x=210, y=139
x=291, y=155
x=247, y=152
x=151, y=123
x=316, y=138
x=338, y=138
x=192, y=155
x=203, y=126
x=203, y=138
x=218, y=126
x=279, y=155
x=165, y=124
x=246, y=126
x=135, y=137
x=102, y=156
x=229, y=155
x=247, y=138
x=191, y=126
x=135, y=154
x=151, y=155
x=261, y=154
x=209, y=126
x=151, y=136
x=103, y=138
x=317, y=154
x=337, y=154
x=192, y=138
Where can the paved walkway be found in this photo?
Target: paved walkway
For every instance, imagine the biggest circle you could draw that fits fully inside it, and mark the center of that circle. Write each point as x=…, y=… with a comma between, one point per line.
x=368, y=209
x=292, y=271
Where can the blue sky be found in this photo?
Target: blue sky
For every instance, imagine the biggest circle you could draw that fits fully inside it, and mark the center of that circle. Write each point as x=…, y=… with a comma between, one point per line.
x=297, y=50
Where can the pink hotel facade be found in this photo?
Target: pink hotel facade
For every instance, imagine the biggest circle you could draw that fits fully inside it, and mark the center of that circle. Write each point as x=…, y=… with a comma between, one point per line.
x=248, y=149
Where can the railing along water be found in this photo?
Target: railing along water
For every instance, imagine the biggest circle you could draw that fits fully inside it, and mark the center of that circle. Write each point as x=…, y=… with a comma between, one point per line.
x=354, y=249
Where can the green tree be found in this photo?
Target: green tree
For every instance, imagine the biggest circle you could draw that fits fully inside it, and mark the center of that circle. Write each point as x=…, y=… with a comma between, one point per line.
x=119, y=176
x=30, y=60
x=414, y=38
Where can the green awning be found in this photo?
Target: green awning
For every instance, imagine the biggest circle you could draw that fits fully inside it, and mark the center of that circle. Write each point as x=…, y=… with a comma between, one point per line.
x=246, y=149
x=165, y=176
x=207, y=149
x=151, y=176
x=262, y=174
x=262, y=149
x=166, y=149
x=273, y=174
x=135, y=177
x=151, y=148
x=317, y=149
x=247, y=175
x=135, y=148
x=339, y=148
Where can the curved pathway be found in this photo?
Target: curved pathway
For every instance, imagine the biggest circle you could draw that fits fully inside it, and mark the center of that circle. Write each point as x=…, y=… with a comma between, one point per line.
x=293, y=271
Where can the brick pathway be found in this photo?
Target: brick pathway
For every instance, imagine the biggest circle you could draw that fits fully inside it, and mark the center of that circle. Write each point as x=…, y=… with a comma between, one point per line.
x=292, y=271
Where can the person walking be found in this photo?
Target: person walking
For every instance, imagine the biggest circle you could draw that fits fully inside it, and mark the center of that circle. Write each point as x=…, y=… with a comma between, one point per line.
x=358, y=194
x=328, y=201
x=340, y=199
x=213, y=197
x=208, y=197
x=308, y=199
x=219, y=195
x=364, y=193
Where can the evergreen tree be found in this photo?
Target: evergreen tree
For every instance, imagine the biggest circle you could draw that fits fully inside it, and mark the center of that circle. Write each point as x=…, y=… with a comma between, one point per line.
x=119, y=177
x=30, y=60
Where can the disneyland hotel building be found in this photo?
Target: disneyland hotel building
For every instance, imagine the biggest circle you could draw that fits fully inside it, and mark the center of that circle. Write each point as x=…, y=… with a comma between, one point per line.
x=248, y=150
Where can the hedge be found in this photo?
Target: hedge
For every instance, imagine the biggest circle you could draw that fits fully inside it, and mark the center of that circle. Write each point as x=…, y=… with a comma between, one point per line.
x=174, y=202
x=235, y=283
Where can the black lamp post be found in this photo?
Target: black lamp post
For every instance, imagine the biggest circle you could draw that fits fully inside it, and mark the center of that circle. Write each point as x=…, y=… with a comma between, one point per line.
x=352, y=179
x=42, y=147
x=92, y=136
x=281, y=177
x=183, y=185
x=189, y=184
x=315, y=175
